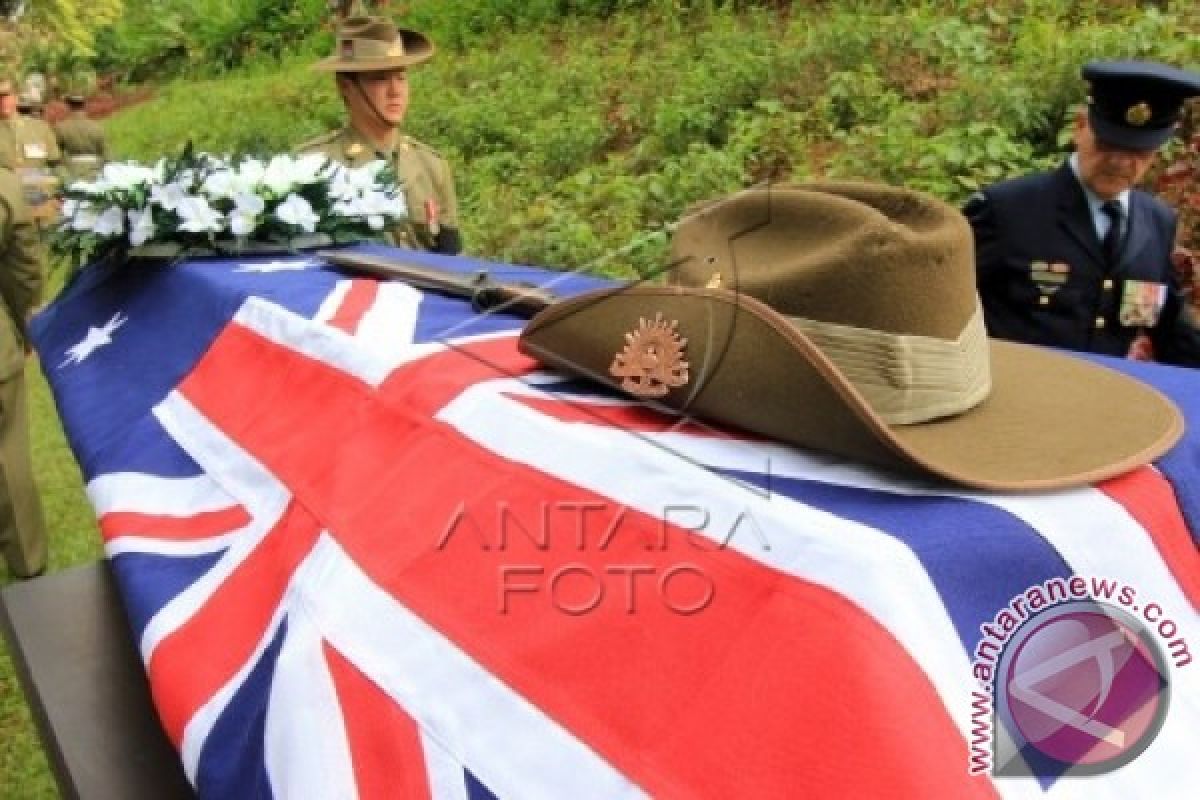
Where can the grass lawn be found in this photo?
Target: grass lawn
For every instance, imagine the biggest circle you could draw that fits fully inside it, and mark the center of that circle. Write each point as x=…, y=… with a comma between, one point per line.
x=74, y=539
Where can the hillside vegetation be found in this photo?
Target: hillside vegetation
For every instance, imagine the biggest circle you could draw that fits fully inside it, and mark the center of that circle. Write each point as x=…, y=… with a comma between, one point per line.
x=578, y=129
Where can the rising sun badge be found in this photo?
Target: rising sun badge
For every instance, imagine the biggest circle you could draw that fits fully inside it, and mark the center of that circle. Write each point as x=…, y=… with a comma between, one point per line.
x=651, y=363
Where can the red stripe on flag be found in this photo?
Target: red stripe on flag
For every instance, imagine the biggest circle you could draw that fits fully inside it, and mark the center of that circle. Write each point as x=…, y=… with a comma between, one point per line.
x=641, y=419
x=182, y=529
x=385, y=744
x=1150, y=500
x=193, y=662
x=779, y=687
x=355, y=305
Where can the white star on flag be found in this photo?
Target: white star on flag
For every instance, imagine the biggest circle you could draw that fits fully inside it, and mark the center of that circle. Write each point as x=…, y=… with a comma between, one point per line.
x=278, y=266
x=93, y=341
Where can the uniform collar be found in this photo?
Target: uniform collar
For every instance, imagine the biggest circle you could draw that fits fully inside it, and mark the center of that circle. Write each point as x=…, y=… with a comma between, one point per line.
x=1095, y=204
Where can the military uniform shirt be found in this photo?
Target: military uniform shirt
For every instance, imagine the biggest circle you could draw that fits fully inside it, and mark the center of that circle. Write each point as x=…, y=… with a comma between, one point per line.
x=82, y=143
x=35, y=143
x=432, y=222
x=1044, y=279
x=20, y=273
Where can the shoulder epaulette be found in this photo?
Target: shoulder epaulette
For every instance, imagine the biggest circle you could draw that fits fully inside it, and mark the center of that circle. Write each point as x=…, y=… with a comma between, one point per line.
x=324, y=138
x=419, y=145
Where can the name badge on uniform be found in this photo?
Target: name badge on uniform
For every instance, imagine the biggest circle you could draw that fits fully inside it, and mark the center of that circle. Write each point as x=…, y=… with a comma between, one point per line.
x=35, y=151
x=1141, y=303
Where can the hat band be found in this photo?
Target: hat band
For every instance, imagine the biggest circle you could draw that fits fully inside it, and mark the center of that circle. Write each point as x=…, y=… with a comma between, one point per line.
x=371, y=49
x=907, y=378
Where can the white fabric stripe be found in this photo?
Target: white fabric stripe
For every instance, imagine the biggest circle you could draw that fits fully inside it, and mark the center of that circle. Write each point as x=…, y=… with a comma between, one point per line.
x=510, y=745
x=1093, y=533
x=244, y=479
x=198, y=728
x=306, y=748
x=317, y=341
x=138, y=493
x=387, y=328
x=139, y=545
x=447, y=780
x=874, y=570
x=333, y=301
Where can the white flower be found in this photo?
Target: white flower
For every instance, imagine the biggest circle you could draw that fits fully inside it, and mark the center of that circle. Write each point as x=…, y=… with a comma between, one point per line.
x=169, y=195
x=284, y=173
x=241, y=224
x=308, y=168
x=110, y=223
x=347, y=182
x=249, y=203
x=222, y=183
x=141, y=226
x=243, y=219
x=219, y=194
x=295, y=210
x=123, y=176
x=250, y=173
x=84, y=218
x=198, y=216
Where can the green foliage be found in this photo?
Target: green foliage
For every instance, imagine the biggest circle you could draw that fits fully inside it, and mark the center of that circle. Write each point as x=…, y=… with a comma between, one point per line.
x=576, y=142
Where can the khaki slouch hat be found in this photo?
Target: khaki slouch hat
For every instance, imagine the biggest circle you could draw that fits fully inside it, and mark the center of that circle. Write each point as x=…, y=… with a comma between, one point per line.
x=370, y=44
x=843, y=317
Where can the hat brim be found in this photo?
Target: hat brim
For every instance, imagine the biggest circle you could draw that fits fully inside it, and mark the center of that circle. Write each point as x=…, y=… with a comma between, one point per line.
x=1050, y=421
x=418, y=49
x=1123, y=136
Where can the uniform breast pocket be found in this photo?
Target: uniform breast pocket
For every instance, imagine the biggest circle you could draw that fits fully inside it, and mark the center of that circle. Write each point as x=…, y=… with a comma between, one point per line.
x=1043, y=284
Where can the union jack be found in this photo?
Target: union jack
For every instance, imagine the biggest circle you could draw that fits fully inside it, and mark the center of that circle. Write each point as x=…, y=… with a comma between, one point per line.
x=328, y=502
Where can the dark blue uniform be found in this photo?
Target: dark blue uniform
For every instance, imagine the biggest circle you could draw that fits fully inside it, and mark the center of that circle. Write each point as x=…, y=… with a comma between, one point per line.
x=1044, y=280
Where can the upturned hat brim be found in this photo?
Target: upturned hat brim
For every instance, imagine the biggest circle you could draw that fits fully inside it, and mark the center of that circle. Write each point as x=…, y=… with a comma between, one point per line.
x=1050, y=420
x=416, y=48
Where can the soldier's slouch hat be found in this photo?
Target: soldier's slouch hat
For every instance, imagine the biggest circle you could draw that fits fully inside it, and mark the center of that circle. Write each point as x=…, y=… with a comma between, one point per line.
x=843, y=317
x=372, y=44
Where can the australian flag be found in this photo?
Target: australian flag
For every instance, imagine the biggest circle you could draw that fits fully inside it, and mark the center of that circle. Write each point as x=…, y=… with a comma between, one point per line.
x=368, y=549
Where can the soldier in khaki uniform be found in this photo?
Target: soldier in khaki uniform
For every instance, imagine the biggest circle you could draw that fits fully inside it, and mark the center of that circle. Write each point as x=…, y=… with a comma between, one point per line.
x=371, y=62
x=8, y=123
x=22, y=530
x=81, y=141
x=28, y=146
x=38, y=146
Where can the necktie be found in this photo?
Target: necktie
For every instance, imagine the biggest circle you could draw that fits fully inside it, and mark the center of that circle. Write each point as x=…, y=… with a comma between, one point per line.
x=1112, y=239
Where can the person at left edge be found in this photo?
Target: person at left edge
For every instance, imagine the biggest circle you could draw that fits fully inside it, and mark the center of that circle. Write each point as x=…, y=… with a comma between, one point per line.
x=1053, y=268
x=371, y=63
x=22, y=528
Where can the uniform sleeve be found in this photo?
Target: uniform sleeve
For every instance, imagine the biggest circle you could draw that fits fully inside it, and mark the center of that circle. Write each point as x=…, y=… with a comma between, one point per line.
x=981, y=214
x=449, y=238
x=1176, y=337
x=447, y=196
x=53, y=153
x=21, y=275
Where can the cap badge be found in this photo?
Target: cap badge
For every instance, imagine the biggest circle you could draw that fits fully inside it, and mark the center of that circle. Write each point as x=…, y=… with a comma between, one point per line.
x=354, y=150
x=1138, y=115
x=652, y=363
